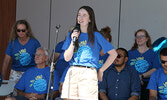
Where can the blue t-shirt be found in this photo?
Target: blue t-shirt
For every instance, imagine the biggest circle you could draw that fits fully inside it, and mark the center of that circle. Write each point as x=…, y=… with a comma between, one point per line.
x=120, y=85
x=22, y=55
x=143, y=62
x=61, y=64
x=64, y=74
x=102, y=60
x=158, y=82
x=36, y=80
x=59, y=46
x=88, y=53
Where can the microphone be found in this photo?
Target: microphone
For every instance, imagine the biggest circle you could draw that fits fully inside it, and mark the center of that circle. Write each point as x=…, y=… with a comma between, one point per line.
x=57, y=26
x=77, y=28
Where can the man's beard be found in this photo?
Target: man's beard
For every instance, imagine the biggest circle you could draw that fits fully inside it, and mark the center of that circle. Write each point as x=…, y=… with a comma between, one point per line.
x=119, y=65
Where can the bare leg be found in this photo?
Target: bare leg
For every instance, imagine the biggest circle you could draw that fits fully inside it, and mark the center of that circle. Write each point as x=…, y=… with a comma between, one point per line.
x=10, y=98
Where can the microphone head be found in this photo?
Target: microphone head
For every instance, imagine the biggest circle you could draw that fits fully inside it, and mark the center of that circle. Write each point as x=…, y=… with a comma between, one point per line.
x=57, y=26
x=76, y=28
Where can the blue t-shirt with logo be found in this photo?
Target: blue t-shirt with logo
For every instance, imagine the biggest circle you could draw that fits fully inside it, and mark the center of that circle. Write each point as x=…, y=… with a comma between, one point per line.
x=22, y=55
x=88, y=53
x=36, y=80
x=143, y=62
x=102, y=60
x=158, y=82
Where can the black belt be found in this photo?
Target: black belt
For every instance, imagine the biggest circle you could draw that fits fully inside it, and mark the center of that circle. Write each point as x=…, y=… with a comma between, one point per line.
x=82, y=66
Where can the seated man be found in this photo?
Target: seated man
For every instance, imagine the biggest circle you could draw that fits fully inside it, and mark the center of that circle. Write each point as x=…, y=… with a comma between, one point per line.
x=120, y=82
x=158, y=81
x=33, y=84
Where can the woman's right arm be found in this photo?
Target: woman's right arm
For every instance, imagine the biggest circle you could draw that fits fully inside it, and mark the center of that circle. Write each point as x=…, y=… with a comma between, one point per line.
x=5, y=66
x=69, y=52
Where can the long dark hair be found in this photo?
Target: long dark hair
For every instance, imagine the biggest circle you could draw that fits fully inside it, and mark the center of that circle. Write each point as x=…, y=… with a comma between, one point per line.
x=91, y=26
x=13, y=34
x=149, y=45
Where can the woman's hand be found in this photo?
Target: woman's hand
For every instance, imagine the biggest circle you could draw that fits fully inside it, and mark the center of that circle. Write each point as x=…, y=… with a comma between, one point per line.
x=100, y=75
x=75, y=34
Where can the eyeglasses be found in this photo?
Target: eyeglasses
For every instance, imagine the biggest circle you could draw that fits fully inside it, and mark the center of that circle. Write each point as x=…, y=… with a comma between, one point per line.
x=19, y=30
x=141, y=36
x=163, y=62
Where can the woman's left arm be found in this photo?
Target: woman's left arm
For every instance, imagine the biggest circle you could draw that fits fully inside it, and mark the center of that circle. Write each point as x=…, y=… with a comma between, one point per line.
x=148, y=73
x=112, y=55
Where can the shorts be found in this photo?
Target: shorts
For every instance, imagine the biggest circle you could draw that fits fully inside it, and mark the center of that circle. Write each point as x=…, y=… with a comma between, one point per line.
x=15, y=75
x=80, y=83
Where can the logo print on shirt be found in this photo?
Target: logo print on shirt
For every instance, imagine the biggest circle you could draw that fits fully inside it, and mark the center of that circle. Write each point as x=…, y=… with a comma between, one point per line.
x=101, y=62
x=39, y=84
x=84, y=54
x=163, y=89
x=140, y=64
x=23, y=57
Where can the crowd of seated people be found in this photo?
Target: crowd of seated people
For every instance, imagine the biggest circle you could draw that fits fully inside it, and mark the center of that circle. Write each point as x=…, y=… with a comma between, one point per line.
x=134, y=75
